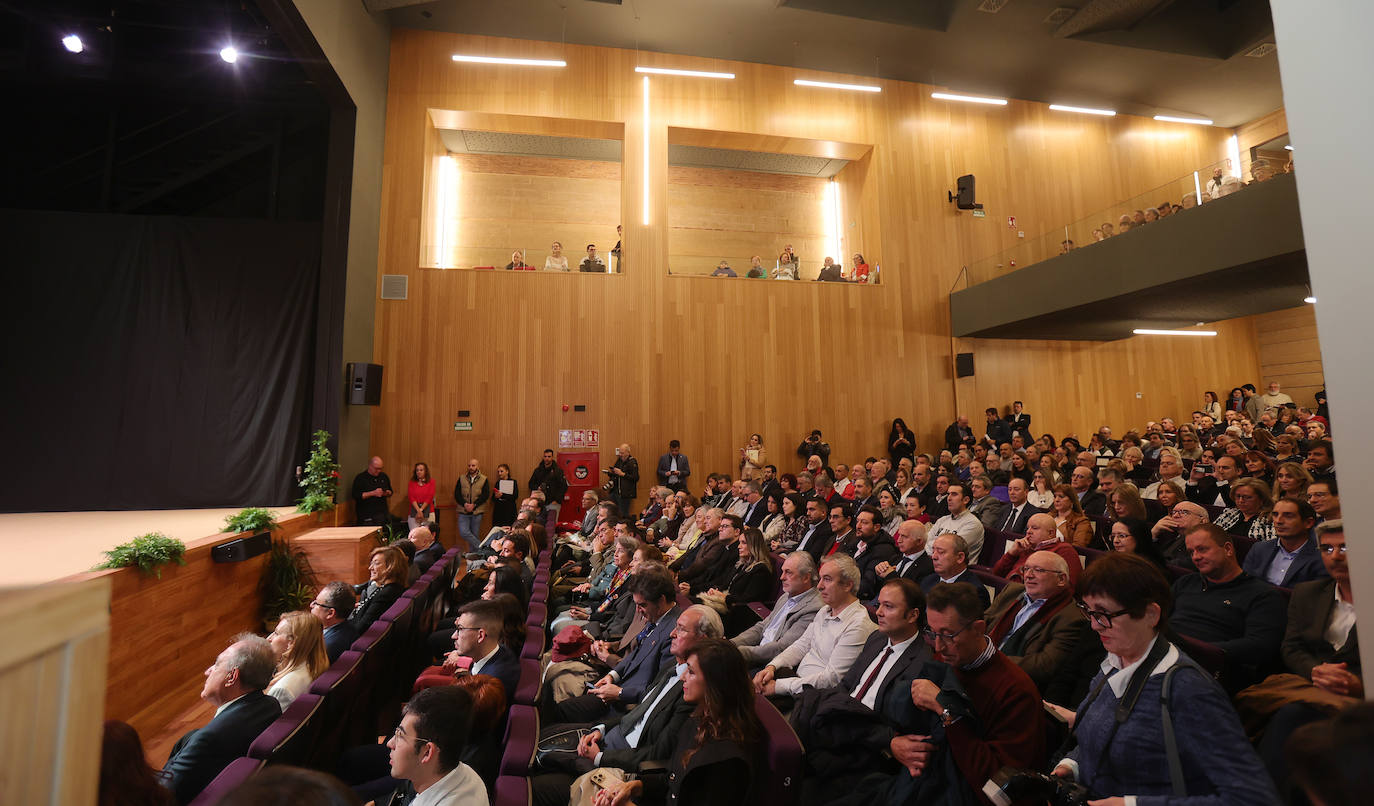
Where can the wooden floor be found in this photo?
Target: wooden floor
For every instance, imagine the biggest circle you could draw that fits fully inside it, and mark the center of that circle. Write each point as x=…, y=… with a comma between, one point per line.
x=45, y=546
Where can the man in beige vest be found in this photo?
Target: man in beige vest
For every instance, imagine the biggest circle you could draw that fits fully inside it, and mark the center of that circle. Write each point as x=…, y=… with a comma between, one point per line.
x=471, y=494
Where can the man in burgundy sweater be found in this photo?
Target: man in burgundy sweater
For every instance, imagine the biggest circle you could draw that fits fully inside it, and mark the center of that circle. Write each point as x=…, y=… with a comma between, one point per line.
x=1006, y=726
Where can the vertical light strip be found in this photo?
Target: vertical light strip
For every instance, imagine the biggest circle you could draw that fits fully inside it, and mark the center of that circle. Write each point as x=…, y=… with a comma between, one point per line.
x=1233, y=153
x=837, y=213
x=645, y=135
x=1197, y=187
x=447, y=179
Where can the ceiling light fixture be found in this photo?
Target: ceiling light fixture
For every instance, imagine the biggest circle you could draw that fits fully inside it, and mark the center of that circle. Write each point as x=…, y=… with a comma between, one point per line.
x=1287, y=148
x=973, y=99
x=1083, y=110
x=73, y=43
x=1310, y=300
x=666, y=71
x=803, y=82
x=460, y=57
x=1141, y=331
x=1172, y=119
x=229, y=53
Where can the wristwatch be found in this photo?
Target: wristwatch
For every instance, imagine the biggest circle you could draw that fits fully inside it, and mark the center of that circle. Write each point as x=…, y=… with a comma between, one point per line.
x=948, y=718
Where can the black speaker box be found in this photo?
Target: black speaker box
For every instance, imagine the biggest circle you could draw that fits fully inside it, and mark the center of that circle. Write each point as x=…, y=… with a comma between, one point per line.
x=236, y=551
x=364, y=384
x=963, y=365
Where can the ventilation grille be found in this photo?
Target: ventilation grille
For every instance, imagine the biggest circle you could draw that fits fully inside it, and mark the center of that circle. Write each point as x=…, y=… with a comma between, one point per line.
x=1261, y=50
x=992, y=6
x=1060, y=15
x=395, y=286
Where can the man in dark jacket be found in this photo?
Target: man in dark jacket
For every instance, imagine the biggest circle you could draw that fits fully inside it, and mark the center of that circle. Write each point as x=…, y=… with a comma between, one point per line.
x=673, y=468
x=813, y=446
x=959, y=433
x=234, y=684
x=873, y=547
x=331, y=606
x=548, y=477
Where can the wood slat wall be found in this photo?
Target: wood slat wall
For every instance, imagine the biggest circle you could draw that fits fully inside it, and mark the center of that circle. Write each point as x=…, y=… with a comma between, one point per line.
x=656, y=357
x=1258, y=132
x=1290, y=353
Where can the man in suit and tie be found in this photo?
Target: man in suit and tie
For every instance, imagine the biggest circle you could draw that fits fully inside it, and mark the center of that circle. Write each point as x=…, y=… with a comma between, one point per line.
x=894, y=652
x=841, y=525
x=234, y=684
x=863, y=494
x=949, y=557
x=817, y=538
x=673, y=468
x=1016, y=514
x=646, y=733
x=1038, y=627
x=912, y=562
x=331, y=606
x=1293, y=557
x=791, y=615
x=756, y=509
x=1020, y=421
x=655, y=596
x=923, y=484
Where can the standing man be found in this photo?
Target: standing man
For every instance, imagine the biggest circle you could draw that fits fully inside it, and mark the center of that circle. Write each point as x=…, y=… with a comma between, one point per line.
x=673, y=468
x=624, y=478
x=371, y=490
x=998, y=430
x=1020, y=421
x=615, y=250
x=959, y=434
x=548, y=477
x=470, y=494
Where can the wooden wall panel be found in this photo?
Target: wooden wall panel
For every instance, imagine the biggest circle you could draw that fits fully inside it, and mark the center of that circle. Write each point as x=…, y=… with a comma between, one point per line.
x=1258, y=132
x=1290, y=353
x=656, y=357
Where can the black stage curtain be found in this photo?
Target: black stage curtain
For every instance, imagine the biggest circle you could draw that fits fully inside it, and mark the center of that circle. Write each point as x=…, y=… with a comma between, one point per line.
x=156, y=362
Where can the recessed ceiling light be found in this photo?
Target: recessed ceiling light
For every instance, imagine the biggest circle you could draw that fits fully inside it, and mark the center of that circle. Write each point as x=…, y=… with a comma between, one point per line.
x=973, y=99
x=1083, y=110
x=665, y=71
x=1287, y=148
x=1310, y=300
x=73, y=43
x=1172, y=119
x=1141, y=331
x=229, y=53
x=802, y=82
x=459, y=57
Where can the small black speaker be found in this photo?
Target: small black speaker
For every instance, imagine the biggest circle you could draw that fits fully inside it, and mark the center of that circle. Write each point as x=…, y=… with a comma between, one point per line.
x=364, y=384
x=963, y=365
x=236, y=551
x=966, y=190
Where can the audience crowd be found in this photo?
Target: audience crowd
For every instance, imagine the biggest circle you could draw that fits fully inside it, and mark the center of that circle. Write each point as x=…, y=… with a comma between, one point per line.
x=933, y=624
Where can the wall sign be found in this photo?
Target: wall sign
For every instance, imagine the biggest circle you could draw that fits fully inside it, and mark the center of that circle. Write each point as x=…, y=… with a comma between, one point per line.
x=579, y=438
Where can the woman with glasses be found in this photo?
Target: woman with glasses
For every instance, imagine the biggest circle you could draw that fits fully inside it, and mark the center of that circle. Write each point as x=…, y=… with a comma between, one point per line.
x=1123, y=741
x=1132, y=536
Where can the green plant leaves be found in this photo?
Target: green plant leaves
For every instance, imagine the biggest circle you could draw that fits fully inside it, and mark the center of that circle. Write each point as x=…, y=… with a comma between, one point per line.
x=321, y=477
x=252, y=519
x=149, y=552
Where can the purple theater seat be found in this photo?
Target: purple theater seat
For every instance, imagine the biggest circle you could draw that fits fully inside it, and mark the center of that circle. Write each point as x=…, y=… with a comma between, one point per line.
x=534, y=642
x=777, y=560
x=371, y=636
x=527, y=691
x=400, y=613
x=289, y=739
x=539, y=592
x=538, y=615
x=229, y=779
x=337, y=674
x=511, y=791
x=1208, y=656
x=522, y=734
x=1000, y=493
x=990, y=579
x=761, y=610
x=781, y=785
x=1090, y=555
x=994, y=545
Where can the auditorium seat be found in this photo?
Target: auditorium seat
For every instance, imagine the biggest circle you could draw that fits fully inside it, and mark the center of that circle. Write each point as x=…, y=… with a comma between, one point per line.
x=534, y=642
x=539, y=592
x=291, y=739
x=994, y=545
x=781, y=785
x=522, y=734
x=338, y=688
x=1090, y=555
x=777, y=560
x=229, y=779
x=527, y=691
x=538, y=615
x=1208, y=656
x=511, y=790
x=1243, y=544
x=762, y=610
x=1000, y=493
x=990, y=579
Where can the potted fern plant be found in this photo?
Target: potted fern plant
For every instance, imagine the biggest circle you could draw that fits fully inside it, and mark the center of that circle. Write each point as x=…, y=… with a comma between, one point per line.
x=252, y=519
x=147, y=552
x=320, y=481
x=288, y=582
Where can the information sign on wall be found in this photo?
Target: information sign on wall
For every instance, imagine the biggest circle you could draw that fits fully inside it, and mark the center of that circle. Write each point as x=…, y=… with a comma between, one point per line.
x=579, y=438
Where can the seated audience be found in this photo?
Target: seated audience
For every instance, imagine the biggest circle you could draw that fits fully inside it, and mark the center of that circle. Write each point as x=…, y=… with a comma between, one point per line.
x=717, y=756
x=234, y=684
x=331, y=606
x=960, y=521
x=715, y=558
x=871, y=547
x=1170, y=470
x=1319, y=755
x=1041, y=536
x=477, y=649
x=1325, y=498
x=1321, y=460
x=126, y=779
x=792, y=614
x=912, y=561
x=1170, y=530
x=1121, y=750
x=1083, y=482
x=1214, y=489
x=829, y=646
x=751, y=579
x=427, y=750
x=282, y=785
x=1132, y=536
x=1222, y=605
x=817, y=537
x=1016, y=514
x=1069, y=519
x=1037, y=626
x=1294, y=556
x=427, y=549
x=1249, y=517
x=602, y=591
x=298, y=643
x=985, y=506
x=387, y=571
x=949, y=558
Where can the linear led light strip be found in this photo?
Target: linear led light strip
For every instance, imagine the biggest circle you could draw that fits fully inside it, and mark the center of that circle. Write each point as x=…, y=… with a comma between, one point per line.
x=806, y=82
x=1140, y=331
x=459, y=57
x=666, y=71
x=973, y=99
x=1172, y=119
x=1083, y=110
x=645, y=133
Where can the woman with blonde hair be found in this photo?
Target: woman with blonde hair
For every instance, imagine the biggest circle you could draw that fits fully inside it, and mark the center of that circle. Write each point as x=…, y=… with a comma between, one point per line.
x=1291, y=480
x=387, y=571
x=298, y=642
x=752, y=458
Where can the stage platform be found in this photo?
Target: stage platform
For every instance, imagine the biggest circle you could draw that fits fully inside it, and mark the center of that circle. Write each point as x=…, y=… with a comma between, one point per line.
x=46, y=546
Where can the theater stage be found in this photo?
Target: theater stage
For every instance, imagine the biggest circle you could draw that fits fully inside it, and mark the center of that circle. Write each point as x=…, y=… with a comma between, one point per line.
x=44, y=546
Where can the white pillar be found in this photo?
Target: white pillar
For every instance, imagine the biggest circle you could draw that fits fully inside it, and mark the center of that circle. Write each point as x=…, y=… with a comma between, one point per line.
x=1326, y=63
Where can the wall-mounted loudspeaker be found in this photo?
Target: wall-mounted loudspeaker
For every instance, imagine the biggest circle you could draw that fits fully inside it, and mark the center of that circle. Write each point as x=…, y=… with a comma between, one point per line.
x=963, y=198
x=364, y=384
x=236, y=551
x=963, y=365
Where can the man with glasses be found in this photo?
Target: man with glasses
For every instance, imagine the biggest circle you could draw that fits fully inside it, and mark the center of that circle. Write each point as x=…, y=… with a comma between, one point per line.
x=1036, y=625
x=477, y=647
x=1292, y=557
x=844, y=539
x=1325, y=498
x=1169, y=530
x=427, y=748
x=331, y=606
x=991, y=719
x=1041, y=536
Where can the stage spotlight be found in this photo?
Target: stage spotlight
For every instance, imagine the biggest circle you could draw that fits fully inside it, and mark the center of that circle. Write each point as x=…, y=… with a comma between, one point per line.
x=73, y=43
x=229, y=54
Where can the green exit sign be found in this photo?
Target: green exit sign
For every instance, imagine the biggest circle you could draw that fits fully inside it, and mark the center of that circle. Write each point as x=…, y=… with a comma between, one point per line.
x=980, y=213
x=462, y=425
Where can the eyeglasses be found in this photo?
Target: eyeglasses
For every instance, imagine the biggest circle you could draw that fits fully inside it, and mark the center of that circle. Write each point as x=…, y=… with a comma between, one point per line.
x=1327, y=548
x=1178, y=511
x=321, y=605
x=457, y=628
x=1101, y=617
x=400, y=735
x=1031, y=570
x=936, y=637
